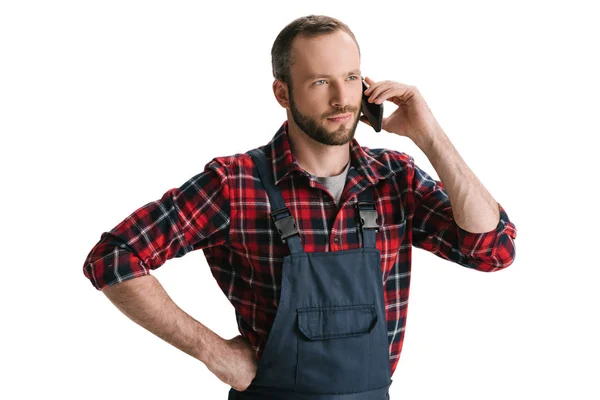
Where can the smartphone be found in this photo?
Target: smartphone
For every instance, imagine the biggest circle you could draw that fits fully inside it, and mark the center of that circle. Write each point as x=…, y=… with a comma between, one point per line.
x=373, y=111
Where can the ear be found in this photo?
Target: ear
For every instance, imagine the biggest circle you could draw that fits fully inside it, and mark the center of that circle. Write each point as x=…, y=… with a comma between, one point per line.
x=280, y=90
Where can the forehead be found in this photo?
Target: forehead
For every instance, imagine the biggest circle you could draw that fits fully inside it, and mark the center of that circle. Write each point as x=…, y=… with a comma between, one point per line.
x=333, y=53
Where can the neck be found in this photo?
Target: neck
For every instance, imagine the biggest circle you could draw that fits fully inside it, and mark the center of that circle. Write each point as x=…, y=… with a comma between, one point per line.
x=317, y=158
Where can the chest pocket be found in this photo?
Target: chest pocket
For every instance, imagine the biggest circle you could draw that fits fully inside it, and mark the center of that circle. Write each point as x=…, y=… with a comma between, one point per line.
x=393, y=232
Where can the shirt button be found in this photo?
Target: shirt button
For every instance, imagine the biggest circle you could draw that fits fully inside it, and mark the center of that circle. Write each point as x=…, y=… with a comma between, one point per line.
x=336, y=239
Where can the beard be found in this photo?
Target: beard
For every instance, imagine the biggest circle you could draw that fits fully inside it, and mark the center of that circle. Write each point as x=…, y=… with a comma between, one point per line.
x=317, y=130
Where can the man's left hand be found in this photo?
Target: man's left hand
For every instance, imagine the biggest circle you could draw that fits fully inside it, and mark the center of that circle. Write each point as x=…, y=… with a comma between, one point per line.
x=412, y=118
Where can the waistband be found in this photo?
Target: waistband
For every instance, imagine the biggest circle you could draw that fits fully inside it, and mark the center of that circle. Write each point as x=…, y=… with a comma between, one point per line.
x=264, y=393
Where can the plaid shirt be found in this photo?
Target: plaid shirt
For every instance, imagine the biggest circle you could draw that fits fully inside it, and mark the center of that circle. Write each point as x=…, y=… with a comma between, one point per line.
x=221, y=211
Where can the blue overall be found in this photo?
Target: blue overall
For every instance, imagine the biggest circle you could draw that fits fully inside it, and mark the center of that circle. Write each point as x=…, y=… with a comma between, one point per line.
x=329, y=336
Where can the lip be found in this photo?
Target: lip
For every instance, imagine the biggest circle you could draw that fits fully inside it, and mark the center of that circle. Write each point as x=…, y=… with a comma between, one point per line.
x=341, y=118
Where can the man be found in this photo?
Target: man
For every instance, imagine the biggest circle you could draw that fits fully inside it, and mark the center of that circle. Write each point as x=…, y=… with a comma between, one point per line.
x=309, y=236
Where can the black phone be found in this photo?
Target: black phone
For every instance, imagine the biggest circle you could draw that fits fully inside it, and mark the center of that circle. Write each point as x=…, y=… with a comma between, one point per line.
x=373, y=111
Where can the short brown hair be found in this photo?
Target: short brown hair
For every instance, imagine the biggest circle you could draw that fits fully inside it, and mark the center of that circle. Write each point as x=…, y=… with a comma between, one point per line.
x=308, y=26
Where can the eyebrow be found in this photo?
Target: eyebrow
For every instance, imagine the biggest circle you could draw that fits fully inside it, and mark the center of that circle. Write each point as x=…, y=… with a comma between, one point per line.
x=315, y=76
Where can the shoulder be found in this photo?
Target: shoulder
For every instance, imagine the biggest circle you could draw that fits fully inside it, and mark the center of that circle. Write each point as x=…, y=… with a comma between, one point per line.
x=235, y=164
x=396, y=161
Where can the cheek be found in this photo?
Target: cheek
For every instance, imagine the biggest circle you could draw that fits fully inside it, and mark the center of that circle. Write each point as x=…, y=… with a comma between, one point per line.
x=315, y=107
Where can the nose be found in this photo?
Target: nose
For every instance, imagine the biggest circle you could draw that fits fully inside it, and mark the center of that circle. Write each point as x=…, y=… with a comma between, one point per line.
x=340, y=95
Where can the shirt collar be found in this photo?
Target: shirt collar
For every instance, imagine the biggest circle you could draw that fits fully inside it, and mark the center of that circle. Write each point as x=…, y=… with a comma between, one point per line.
x=284, y=162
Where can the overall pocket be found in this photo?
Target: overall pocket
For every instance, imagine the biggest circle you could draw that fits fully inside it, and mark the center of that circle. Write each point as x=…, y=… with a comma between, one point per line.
x=334, y=347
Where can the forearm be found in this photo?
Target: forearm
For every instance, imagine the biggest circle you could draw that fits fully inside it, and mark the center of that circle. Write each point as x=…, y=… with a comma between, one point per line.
x=146, y=302
x=473, y=207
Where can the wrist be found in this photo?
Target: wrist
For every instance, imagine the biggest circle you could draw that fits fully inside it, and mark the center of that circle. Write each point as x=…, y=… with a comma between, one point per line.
x=209, y=345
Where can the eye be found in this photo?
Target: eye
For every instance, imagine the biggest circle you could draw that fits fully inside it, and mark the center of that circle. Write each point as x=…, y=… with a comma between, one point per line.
x=354, y=76
x=322, y=80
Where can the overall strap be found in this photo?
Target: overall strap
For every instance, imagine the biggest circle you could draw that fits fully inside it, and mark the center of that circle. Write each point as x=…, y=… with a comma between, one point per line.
x=281, y=216
x=366, y=217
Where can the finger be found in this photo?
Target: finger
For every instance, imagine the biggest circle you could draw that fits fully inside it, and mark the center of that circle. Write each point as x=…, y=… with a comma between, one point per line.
x=370, y=83
x=383, y=95
x=400, y=95
x=378, y=90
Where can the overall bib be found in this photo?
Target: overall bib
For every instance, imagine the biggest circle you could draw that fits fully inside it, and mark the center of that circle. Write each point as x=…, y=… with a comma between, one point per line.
x=329, y=336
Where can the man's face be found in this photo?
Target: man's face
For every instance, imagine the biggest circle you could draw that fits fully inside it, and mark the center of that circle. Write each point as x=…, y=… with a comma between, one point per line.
x=326, y=82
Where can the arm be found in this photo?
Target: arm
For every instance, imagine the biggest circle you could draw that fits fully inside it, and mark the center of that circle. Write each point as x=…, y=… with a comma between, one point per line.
x=191, y=217
x=465, y=232
x=473, y=207
x=456, y=221
x=145, y=302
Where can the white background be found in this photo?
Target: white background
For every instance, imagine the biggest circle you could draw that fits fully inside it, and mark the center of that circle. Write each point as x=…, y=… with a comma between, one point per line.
x=104, y=106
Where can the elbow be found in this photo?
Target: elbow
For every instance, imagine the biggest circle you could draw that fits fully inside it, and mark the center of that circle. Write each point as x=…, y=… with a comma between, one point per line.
x=498, y=258
x=502, y=257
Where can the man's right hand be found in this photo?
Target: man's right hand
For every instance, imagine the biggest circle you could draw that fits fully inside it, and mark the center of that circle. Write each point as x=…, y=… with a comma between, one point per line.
x=234, y=362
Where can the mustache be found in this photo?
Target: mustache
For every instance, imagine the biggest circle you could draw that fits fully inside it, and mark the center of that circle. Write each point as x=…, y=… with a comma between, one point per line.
x=345, y=111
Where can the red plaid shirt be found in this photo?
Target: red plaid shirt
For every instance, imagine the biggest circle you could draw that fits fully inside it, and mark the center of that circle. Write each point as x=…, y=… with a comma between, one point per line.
x=221, y=211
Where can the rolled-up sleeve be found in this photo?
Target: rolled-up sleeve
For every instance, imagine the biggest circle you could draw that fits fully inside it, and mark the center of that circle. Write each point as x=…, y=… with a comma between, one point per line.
x=435, y=230
x=191, y=217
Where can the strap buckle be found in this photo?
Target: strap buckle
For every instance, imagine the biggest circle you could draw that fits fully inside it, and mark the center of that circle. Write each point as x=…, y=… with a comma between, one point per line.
x=286, y=226
x=367, y=218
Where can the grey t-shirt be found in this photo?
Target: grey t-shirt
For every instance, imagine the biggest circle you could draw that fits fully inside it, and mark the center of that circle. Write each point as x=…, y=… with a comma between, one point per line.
x=334, y=184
